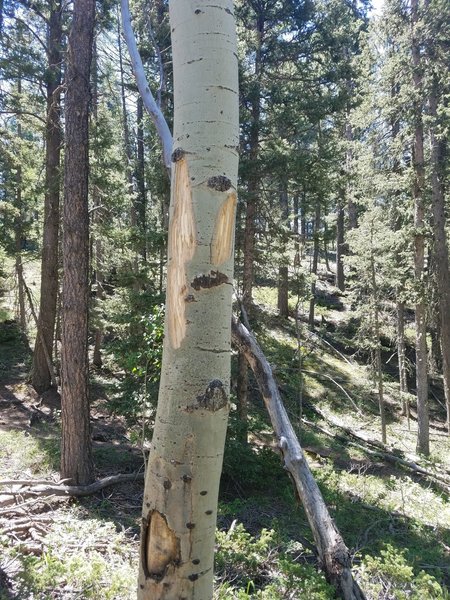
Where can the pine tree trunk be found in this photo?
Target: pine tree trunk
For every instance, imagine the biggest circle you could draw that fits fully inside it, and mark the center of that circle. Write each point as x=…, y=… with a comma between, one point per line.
x=182, y=480
x=379, y=364
x=402, y=358
x=76, y=454
x=128, y=156
x=97, y=246
x=283, y=272
x=423, y=436
x=315, y=263
x=19, y=266
x=140, y=177
x=40, y=374
x=440, y=246
x=340, y=249
x=254, y=176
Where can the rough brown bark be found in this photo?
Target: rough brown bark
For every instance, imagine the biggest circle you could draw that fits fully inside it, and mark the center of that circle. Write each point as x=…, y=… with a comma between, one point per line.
x=76, y=453
x=340, y=248
x=18, y=242
x=40, y=375
x=423, y=436
x=440, y=245
x=283, y=272
x=97, y=245
x=333, y=553
x=141, y=203
x=315, y=262
x=402, y=358
x=379, y=364
x=254, y=176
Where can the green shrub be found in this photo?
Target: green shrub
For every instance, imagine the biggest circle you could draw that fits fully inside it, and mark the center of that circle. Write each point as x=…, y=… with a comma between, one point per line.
x=390, y=576
x=256, y=567
x=137, y=331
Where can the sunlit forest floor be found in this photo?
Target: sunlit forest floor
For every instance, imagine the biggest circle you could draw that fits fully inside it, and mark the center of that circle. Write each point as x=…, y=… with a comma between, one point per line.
x=395, y=522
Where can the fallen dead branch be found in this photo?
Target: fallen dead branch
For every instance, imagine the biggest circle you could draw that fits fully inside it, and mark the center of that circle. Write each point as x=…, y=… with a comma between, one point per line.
x=29, y=489
x=333, y=553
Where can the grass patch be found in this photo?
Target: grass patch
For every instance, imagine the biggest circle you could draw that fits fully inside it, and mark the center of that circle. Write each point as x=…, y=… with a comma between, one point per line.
x=30, y=455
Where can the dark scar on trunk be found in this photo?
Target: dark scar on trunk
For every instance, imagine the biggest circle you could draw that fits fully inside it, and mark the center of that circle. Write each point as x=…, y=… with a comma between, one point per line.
x=219, y=183
x=215, y=396
x=208, y=281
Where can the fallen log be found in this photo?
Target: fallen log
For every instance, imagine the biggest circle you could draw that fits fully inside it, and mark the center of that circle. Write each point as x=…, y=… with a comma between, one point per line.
x=333, y=554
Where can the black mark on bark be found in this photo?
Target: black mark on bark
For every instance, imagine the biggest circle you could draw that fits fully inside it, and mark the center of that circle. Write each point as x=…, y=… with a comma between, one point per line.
x=208, y=281
x=214, y=398
x=177, y=154
x=219, y=183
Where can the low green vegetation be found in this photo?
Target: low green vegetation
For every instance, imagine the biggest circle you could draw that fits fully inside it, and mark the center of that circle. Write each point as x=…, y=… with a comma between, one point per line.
x=395, y=523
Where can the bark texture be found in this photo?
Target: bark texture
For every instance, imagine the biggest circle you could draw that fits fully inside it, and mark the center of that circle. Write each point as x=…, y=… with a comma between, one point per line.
x=253, y=177
x=440, y=245
x=76, y=455
x=423, y=435
x=182, y=479
x=283, y=271
x=315, y=264
x=401, y=351
x=40, y=374
x=340, y=247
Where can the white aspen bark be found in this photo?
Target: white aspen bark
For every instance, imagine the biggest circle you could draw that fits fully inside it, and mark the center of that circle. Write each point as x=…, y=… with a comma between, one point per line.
x=182, y=479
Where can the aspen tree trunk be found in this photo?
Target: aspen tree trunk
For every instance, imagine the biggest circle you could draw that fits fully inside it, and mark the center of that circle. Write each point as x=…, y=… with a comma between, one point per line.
x=182, y=479
x=40, y=374
x=440, y=245
x=76, y=451
x=423, y=436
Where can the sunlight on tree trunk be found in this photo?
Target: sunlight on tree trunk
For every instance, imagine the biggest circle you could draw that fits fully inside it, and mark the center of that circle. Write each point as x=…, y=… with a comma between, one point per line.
x=182, y=480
